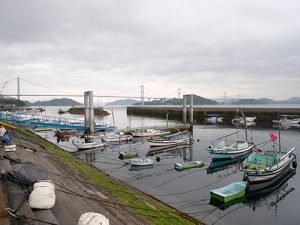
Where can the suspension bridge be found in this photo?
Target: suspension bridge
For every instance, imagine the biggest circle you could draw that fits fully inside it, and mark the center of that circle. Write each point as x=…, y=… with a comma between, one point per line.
x=36, y=120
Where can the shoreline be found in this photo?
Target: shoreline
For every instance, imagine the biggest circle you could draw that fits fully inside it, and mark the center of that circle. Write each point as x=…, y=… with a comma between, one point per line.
x=163, y=214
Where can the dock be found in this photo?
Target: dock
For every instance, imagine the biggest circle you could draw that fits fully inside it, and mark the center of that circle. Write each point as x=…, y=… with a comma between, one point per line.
x=264, y=114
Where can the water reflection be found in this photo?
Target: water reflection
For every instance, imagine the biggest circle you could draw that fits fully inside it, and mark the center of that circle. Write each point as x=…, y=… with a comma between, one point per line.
x=271, y=196
x=216, y=166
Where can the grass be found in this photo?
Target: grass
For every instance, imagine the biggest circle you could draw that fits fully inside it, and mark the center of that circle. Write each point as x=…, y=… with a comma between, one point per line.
x=149, y=208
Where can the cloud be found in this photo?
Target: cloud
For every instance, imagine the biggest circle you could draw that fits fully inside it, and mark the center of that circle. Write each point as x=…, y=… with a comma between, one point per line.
x=248, y=48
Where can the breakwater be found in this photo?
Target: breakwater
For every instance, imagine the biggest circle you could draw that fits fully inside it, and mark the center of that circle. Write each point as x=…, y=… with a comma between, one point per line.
x=264, y=114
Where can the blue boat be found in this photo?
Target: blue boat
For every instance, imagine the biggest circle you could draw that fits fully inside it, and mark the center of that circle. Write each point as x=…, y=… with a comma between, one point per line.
x=229, y=152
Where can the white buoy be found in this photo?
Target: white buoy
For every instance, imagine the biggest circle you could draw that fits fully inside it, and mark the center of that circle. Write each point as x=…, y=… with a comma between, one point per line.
x=91, y=218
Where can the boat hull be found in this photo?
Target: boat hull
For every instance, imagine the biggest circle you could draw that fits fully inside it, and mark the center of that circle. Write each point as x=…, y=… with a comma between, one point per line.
x=229, y=193
x=264, y=179
x=81, y=145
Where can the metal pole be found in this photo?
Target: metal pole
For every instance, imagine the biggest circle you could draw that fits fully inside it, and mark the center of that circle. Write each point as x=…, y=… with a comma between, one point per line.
x=91, y=112
x=184, y=110
x=191, y=109
x=86, y=109
x=18, y=79
x=167, y=120
x=191, y=113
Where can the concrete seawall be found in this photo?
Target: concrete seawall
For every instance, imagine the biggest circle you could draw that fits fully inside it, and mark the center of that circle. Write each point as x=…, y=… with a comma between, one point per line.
x=264, y=114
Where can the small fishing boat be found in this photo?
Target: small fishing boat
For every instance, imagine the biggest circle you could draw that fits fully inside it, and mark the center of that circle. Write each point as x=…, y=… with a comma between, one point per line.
x=188, y=165
x=226, y=151
x=149, y=133
x=181, y=138
x=128, y=155
x=263, y=169
x=87, y=142
x=230, y=192
x=141, y=162
x=241, y=120
x=213, y=118
x=117, y=138
x=286, y=122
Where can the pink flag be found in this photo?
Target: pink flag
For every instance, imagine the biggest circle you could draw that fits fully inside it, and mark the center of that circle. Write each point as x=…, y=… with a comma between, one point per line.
x=273, y=137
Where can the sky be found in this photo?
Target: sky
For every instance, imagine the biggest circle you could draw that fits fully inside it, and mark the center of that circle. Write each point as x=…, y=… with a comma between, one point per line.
x=212, y=48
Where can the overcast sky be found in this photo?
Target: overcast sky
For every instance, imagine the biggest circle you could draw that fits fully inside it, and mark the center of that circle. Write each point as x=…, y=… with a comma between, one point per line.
x=239, y=47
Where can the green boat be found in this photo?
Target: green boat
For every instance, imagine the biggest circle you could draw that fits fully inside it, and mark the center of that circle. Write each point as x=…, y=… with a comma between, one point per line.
x=230, y=192
x=188, y=165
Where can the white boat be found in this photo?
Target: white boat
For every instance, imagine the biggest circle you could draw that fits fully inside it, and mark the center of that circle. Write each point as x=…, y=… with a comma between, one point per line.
x=241, y=120
x=141, y=162
x=87, y=143
x=287, y=120
x=213, y=118
x=181, y=138
x=116, y=138
x=149, y=133
x=264, y=169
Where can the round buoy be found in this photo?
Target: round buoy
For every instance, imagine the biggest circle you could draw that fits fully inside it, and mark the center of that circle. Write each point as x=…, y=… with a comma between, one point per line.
x=294, y=164
x=157, y=158
x=6, y=138
x=198, y=140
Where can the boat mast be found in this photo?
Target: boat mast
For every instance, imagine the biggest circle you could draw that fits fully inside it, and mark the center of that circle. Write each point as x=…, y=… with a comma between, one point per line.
x=246, y=133
x=279, y=133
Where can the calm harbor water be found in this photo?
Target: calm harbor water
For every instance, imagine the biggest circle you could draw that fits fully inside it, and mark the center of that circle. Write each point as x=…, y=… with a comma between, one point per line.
x=188, y=190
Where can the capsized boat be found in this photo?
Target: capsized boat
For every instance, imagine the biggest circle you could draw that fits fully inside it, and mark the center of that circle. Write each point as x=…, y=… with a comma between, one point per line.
x=230, y=192
x=264, y=168
x=87, y=142
x=180, y=138
x=141, y=162
x=188, y=165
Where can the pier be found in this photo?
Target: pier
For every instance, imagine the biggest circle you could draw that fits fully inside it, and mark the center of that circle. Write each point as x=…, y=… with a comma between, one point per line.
x=264, y=114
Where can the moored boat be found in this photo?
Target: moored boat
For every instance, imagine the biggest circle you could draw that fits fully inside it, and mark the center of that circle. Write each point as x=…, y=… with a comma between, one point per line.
x=181, y=138
x=149, y=133
x=230, y=192
x=188, y=165
x=235, y=150
x=117, y=138
x=141, y=162
x=87, y=143
x=263, y=169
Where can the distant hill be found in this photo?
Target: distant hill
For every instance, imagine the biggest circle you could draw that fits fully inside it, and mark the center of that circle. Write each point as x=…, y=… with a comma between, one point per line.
x=293, y=100
x=197, y=100
x=123, y=102
x=57, y=102
x=250, y=102
x=12, y=101
x=264, y=101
